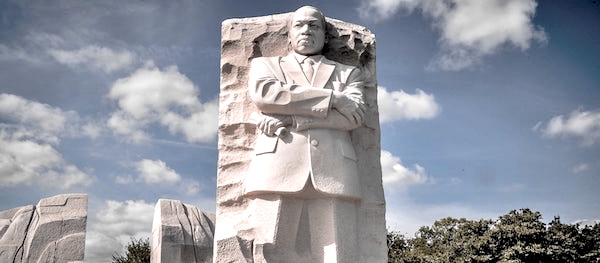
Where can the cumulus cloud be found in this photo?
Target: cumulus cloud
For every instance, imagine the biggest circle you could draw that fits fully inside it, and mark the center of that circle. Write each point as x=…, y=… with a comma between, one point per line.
x=584, y=125
x=395, y=174
x=399, y=105
x=470, y=29
x=111, y=227
x=94, y=57
x=156, y=171
x=42, y=121
x=165, y=97
x=29, y=133
x=24, y=161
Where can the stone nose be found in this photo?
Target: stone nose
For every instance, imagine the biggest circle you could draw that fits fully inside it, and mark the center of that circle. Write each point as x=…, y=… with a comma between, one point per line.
x=305, y=28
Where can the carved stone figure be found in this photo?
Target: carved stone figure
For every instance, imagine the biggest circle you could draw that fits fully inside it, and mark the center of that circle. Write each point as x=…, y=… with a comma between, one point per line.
x=307, y=177
x=307, y=186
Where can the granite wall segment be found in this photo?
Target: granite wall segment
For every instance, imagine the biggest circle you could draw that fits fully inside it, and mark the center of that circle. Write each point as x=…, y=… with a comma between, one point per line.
x=247, y=38
x=181, y=233
x=51, y=231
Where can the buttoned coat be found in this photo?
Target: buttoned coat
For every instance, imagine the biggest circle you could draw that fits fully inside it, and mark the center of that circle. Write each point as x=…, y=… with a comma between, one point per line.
x=318, y=144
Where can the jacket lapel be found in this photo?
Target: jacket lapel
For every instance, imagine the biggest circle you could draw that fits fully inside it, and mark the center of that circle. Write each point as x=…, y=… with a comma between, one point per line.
x=323, y=73
x=293, y=71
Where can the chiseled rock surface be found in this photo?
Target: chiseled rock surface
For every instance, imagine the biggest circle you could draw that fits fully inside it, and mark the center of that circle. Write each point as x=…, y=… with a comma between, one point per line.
x=247, y=38
x=51, y=231
x=181, y=233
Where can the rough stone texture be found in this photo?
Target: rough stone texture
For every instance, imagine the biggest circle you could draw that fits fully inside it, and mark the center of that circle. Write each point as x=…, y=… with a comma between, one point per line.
x=51, y=231
x=244, y=39
x=181, y=233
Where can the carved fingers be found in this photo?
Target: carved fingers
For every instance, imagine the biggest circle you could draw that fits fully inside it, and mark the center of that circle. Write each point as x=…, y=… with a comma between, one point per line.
x=350, y=106
x=274, y=125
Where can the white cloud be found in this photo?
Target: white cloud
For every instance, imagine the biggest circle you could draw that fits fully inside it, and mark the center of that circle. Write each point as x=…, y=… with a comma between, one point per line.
x=111, y=227
x=94, y=57
x=584, y=125
x=580, y=167
x=156, y=171
x=91, y=130
x=395, y=174
x=74, y=48
x=37, y=117
x=165, y=97
x=124, y=179
x=399, y=105
x=190, y=187
x=24, y=161
x=470, y=29
x=29, y=133
x=377, y=10
x=42, y=121
x=19, y=54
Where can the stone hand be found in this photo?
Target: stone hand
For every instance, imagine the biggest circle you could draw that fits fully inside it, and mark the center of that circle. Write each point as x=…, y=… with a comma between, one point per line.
x=274, y=125
x=351, y=107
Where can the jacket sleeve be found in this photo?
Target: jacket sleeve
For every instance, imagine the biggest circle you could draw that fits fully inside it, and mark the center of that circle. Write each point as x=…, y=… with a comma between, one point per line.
x=272, y=95
x=335, y=120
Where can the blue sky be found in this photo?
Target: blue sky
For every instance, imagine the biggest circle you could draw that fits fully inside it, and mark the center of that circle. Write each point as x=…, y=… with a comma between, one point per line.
x=486, y=106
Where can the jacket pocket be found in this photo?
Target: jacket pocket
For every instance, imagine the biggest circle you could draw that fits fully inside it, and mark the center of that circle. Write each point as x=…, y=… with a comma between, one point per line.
x=265, y=144
x=348, y=150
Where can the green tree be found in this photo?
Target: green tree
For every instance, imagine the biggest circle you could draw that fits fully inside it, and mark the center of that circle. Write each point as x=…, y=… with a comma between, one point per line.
x=451, y=240
x=589, y=241
x=397, y=247
x=137, y=251
x=519, y=236
x=564, y=242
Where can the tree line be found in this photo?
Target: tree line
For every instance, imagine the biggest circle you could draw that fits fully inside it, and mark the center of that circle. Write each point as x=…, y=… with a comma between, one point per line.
x=519, y=236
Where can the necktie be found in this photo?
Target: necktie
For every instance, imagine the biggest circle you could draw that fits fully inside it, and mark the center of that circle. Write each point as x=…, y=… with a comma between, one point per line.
x=307, y=67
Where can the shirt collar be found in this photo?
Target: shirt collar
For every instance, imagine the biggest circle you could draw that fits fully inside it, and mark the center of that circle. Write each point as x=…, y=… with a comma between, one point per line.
x=300, y=58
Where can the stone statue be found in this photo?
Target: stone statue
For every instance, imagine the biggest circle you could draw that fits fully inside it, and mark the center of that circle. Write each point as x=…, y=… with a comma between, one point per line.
x=307, y=177
x=299, y=175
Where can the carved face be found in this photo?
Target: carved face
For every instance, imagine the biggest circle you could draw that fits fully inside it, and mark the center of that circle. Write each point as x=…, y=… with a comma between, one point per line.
x=307, y=31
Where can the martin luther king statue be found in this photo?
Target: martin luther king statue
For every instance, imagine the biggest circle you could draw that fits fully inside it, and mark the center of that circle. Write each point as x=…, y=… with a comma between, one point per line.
x=303, y=179
x=299, y=176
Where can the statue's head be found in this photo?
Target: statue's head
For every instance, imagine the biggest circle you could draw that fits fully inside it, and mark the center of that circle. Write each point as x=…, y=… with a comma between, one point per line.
x=307, y=30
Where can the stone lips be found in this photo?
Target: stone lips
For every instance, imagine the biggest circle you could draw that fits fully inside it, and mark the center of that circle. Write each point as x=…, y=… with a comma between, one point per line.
x=247, y=38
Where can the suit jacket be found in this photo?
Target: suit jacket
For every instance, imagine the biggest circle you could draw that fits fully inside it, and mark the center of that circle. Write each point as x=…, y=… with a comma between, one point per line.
x=318, y=144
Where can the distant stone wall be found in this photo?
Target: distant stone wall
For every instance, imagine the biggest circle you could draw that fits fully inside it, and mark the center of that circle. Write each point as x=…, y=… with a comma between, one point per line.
x=181, y=233
x=51, y=231
x=244, y=39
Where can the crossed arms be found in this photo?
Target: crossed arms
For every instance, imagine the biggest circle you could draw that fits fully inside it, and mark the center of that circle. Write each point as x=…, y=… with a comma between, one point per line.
x=337, y=106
